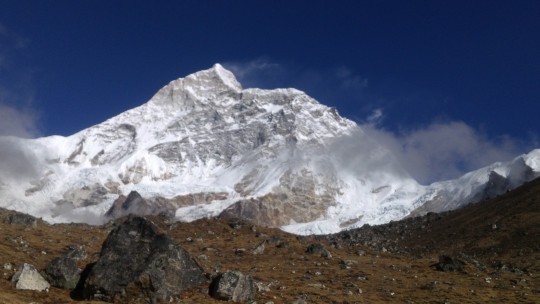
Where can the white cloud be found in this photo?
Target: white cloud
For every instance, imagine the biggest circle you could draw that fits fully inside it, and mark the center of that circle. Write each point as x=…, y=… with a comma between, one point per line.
x=257, y=73
x=376, y=117
x=18, y=122
x=16, y=161
x=250, y=68
x=444, y=150
x=17, y=116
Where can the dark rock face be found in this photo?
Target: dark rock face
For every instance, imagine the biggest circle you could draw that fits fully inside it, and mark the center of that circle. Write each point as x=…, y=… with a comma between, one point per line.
x=62, y=272
x=134, y=203
x=233, y=286
x=17, y=218
x=447, y=263
x=496, y=185
x=318, y=249
x=137, y=263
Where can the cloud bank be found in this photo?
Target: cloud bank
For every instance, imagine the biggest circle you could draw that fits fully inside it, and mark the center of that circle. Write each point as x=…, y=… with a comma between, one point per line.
x=16, y=162
x=444, y=150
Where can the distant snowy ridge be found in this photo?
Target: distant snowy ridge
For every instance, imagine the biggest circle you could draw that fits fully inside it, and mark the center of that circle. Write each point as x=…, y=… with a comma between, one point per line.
x=203, y=146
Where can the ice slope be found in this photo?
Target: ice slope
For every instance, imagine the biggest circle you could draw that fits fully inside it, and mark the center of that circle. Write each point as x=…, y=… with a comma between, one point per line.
x=279, y=157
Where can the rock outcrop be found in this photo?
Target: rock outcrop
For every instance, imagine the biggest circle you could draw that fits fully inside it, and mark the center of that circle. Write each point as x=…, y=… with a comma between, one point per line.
x=63, y=272
x=447, y=263
x=138, y=263
x=233, y=286
x=17, y=218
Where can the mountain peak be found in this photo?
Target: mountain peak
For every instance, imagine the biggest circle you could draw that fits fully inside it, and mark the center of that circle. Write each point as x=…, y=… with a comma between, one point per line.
x=226, y=76
x=202, y=85
x=217, y=77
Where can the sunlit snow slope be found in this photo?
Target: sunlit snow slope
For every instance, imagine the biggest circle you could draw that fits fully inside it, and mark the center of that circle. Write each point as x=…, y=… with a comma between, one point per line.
x=203, y=146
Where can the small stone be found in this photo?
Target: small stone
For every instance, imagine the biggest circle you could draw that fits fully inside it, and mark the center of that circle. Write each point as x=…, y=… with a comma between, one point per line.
x=261, y=287
x=347, y=264
x=239, y=251
x=259, y=249
x=282, y=244
x=203, y=257
x=317, y=285
x=76, y=252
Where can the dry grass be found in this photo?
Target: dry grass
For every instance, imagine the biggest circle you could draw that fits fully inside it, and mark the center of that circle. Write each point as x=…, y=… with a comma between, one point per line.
x=291, y=273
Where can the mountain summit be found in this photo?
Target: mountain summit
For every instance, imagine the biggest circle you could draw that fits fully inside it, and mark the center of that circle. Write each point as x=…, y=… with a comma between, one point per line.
x=202, y=146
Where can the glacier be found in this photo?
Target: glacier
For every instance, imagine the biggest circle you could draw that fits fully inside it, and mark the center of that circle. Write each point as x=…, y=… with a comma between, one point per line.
x=203, y=146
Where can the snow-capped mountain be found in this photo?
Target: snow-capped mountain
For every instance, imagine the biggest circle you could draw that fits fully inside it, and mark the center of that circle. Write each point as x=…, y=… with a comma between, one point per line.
x=203, y=146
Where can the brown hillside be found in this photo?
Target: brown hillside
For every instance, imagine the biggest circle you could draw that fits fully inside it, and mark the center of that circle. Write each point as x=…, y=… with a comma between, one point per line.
x=497, y=239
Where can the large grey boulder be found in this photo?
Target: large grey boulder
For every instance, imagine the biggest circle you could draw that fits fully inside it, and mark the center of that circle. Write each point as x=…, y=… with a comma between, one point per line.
x=138, y=263
x=63, y=272
x=29, y=278
x=233, y=286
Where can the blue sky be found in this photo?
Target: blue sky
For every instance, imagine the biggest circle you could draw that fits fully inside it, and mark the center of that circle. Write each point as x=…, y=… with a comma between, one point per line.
x=405, y=68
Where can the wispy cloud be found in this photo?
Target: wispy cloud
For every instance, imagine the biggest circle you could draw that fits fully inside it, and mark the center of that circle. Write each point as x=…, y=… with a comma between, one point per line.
x=10, y=42
x=247, y=69
x=18, y=122
x=350, y=80
x=18, y=117
x=263, y=72
x=437, y=151
x=258, y=73
x=444, y=150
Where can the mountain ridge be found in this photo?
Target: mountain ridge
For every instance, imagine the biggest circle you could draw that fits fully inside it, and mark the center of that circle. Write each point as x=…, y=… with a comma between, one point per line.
x=282, y=158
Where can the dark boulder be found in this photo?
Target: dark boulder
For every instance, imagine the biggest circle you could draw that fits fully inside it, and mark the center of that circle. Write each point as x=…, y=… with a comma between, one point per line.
x=447, y=263
x=137, y=263
x=233, y=286
x=62, y=272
